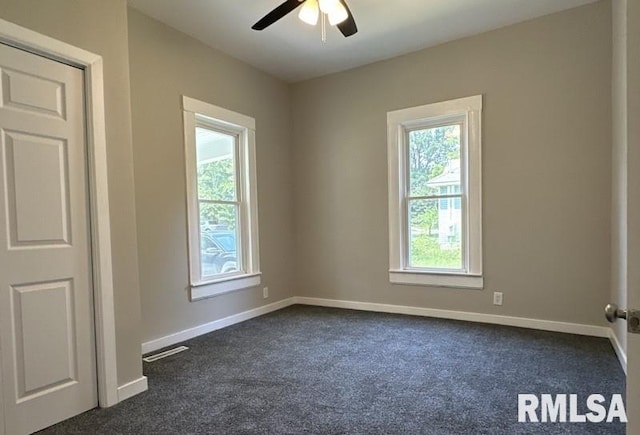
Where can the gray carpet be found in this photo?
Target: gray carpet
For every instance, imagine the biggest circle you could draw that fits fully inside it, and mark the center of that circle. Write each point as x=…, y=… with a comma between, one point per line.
x=329, y=371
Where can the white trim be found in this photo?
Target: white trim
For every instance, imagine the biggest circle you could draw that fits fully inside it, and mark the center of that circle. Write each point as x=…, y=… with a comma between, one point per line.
x=132, y=388
x=29, y=40
x=101, y=238
x=248, y=249
x=251, y=197
x=217, y=113
x=444, y=109
x=192, y=196
x=617, y=346
x=2, y=411
x=436, y=279
x=468, y=112
x=226, y=285
x=43, y=45
x=179, y=337
x=521, y=322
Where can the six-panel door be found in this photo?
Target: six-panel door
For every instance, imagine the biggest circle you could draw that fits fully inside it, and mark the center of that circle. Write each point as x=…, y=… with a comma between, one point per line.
x=46, y=316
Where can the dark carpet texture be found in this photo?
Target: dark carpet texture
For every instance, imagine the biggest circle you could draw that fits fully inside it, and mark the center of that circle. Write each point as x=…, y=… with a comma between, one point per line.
x=330, y=371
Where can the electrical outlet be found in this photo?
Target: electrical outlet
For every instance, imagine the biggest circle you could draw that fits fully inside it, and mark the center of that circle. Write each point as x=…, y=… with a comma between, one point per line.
x=265, y=292
x=497, y=298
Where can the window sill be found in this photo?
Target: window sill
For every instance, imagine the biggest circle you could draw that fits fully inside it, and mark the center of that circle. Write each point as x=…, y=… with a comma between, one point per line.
x=225, y=285
x=412, y=277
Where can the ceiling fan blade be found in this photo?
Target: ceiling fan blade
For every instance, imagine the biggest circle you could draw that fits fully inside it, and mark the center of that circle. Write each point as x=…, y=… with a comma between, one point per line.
x=276, y=14
x=348, y=27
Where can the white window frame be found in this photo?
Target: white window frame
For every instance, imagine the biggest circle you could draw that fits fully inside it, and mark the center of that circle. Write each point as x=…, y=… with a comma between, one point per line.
x=198, y=113
x=468, y=112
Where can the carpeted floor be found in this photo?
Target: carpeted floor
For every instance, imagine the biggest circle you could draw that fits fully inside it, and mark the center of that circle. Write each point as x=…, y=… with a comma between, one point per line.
x=329, y=371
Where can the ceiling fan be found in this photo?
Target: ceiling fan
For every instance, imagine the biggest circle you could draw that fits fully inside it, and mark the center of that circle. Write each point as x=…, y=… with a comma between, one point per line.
x=336, y=11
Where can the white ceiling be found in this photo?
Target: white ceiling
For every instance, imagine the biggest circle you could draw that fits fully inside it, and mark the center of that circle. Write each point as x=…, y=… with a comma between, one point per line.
x=293, y=50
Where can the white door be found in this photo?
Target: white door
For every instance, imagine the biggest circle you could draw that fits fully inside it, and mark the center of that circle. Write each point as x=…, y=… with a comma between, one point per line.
x=633, y=210
x=48, y=367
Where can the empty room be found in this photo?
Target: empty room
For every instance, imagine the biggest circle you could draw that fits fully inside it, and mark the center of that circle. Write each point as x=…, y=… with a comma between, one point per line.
x=319, y=216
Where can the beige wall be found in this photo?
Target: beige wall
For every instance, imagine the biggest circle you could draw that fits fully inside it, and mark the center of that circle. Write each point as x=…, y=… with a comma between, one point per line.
x=101, y=27
x=546, y=163
x=166, y=64
x=547, y=166
x=619, y=165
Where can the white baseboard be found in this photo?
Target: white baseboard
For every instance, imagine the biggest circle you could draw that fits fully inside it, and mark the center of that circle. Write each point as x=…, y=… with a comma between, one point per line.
x=132, y=388
x=178, y=337
x=521, y=322
x=617, y=346
x=545, y=325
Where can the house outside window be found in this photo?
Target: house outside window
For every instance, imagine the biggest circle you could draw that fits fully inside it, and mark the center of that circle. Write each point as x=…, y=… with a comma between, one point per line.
x=221, y=199
x=449, y=222
x=435, y=228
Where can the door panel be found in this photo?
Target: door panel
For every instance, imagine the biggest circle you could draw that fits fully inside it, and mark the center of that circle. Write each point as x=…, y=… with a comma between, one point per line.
x=37, y=201
x=28, y=92
x=633, y=209
x=46, y=316
x=38, y=334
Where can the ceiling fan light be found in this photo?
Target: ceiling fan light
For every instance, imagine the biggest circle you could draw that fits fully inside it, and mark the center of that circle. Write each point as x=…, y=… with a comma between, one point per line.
x=309, y=12
x=329, y=6
x=338, y=15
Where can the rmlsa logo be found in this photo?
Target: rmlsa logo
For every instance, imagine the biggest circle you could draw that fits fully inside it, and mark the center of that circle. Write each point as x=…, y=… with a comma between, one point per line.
x=553, y=408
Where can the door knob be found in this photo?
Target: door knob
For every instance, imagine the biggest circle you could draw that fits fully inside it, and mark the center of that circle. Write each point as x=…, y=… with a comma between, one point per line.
x=612, y=313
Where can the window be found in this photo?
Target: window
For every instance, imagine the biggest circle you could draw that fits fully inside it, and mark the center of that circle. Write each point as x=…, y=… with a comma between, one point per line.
x=435, y=211
x=221, y=199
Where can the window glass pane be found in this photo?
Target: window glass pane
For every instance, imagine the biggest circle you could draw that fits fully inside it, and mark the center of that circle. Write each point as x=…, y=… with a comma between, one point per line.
x=218, y=239
x=434, y=235
x=444, y=203
x=216, y=165
x=434, y=160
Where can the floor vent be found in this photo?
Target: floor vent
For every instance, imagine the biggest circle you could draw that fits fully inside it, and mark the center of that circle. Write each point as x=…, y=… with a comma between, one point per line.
x=166, y=353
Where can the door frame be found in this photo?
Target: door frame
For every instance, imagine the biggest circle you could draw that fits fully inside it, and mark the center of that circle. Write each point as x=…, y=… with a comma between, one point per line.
x=2, y=423
x=104, y=316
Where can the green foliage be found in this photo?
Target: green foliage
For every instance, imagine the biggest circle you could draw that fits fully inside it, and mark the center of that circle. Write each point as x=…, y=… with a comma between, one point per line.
x=424, y=214
x=427, y=252
x=429, y=152
x=216, y=181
